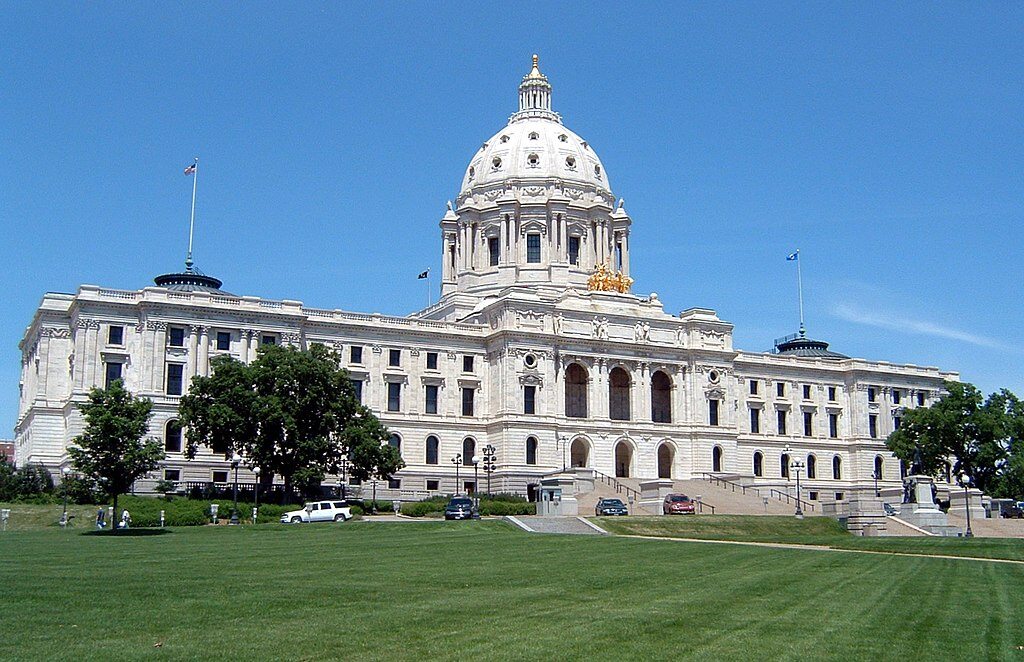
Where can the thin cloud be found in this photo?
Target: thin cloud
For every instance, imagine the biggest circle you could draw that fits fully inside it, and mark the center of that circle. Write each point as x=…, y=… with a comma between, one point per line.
x=883, y=320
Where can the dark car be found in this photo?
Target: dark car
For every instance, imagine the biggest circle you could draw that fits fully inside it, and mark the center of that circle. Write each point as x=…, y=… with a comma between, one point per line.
x=678, y=504
x=610, y=507
x=461, y=508
x=1010, y=511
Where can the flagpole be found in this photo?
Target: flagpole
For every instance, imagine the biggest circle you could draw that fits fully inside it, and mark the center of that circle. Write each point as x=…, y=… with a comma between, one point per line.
x=800, y=290
x=192, y=219
x=428, y=288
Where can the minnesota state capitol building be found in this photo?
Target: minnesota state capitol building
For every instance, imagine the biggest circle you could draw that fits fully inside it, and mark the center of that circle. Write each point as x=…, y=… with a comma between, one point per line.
x=537, y=348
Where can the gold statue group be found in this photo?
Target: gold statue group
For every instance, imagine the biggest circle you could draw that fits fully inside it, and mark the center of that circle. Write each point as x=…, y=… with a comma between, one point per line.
x=605, y=280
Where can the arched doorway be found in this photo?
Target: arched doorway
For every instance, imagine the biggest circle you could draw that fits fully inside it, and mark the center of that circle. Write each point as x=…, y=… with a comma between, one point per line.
x=623, y=459
x=878, y=467
x=576, y=391
x=666, y=455
x=618, y=395
x=661, y=397
x=579, y=453
x=468, y=451
x=758, y=464
x=716, y=459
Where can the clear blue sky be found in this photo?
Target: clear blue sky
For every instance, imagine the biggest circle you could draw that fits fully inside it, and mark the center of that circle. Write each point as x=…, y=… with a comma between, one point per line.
x=883, y=141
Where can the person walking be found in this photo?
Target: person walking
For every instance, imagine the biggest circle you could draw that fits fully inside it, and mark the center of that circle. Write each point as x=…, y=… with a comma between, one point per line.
x=101, y=518
x=126, y=518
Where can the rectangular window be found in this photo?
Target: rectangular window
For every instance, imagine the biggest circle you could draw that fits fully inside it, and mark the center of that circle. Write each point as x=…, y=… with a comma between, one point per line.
x=618, y=256
x=467, y=364
x=755, y=421
x=873, y=426
x=268, y=339
x=753, y=387
x=920, y=399
x=394, y=484
x=176, y=336
x=433, y=485
x=220, y=476
x=833, y=425
x=529, y=399
x=223, y=341
x=812, y=496
x=113, y=373
x=807, y=391
x=712, y=412
x=533, y=248
x=394, y=357
x=467, y=401
x=394, y=396
x=896, y=421
x=831, y=393
x=355, y=354
x=431, y=399
x=840, y=496
x=115, y=335
x=808, y=424
x=174, y=378
x=780, y=420
x=871, y=394
x=574, y=251
x=431, y=360
x=494, y=248
x=896, y=395
x=357, y=386
x=172, y=474
x=780, y=389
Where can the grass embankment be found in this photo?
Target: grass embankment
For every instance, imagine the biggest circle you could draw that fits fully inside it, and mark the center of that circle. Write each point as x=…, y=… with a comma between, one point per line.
x=482, y=590
x=145, y=511
x=823, y=531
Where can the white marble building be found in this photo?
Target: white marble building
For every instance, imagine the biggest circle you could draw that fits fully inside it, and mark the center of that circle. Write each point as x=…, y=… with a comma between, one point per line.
x=527, y=350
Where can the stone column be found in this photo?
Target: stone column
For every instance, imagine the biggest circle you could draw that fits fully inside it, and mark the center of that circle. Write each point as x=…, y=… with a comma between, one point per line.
x=502, y=242
x=81, y=356
x=193, y=358
x=243, y=350
x=159, y=355
x=203, y=358
x=625, y=253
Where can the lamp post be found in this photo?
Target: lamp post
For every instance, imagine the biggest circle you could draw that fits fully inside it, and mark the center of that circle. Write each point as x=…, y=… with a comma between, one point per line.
x=874, y=474
x=344, y=475
x=490, y=464
x=236, y=459
x=66, y=471
x=457, y=460
x=797, y=466
x=476, y=474
x=562, y=441
x=256, y=502
x=965, y=480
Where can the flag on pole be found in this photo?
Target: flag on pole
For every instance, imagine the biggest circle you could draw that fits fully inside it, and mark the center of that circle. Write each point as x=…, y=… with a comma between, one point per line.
x=191, y=169
x=423, y=275
x=792, y=256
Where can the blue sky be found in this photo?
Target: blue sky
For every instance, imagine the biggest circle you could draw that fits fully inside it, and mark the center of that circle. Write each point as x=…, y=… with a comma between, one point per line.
x=883, y=140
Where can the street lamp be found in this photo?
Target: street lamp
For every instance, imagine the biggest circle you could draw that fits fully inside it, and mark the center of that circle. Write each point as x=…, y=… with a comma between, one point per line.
x=236, y=460
x=476, y=474
x=344, y=475
x=256, y=502
x=457, y=460
x=66, y=471
x=797, y=466
x=490, y=464
x=874, y=474
x=965, y=480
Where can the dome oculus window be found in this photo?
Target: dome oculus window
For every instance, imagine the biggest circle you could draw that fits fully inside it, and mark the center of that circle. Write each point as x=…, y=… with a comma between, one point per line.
x=504, y=139
x=530, y=361
x=472, y=172
x=496, y=163
x=563, y=138
x=534, y=135
x=597, y=171
x=533, y=160
x=570, y=163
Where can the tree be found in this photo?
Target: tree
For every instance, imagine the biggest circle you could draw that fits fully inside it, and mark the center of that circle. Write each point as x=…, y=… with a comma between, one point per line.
x=111, y=450
x=975, y=434
x=287, y=412
x=371, y=457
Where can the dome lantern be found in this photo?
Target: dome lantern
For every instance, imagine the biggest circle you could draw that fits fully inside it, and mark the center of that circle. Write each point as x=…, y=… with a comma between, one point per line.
x=535, y=96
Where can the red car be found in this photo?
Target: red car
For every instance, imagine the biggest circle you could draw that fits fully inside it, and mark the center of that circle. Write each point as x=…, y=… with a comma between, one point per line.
x=678, y=504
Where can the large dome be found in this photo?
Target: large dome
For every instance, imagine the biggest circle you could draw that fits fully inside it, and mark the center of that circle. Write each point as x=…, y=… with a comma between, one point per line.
x=535, y=146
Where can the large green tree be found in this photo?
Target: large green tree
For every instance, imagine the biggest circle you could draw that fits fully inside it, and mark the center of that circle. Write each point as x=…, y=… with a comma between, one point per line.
x=111, y=450
x=286, y=412
x=977, y=435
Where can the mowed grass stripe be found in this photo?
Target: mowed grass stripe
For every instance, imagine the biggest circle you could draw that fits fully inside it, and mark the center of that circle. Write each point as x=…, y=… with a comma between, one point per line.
x=443, y=591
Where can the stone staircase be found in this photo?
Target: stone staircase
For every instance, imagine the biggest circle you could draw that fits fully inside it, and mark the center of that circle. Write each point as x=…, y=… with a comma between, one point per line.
x=730, y=501
x=565, y=525
x=989, y=528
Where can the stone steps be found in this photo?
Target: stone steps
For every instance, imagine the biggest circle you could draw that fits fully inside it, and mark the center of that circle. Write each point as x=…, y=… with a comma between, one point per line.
x=564, y=525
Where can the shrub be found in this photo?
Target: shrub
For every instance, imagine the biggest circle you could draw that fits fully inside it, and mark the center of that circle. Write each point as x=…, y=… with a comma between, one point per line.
x=80, y=490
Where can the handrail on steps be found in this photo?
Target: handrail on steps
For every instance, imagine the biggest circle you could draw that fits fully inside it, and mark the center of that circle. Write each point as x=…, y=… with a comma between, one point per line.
x=619, y=487
x=772, y=492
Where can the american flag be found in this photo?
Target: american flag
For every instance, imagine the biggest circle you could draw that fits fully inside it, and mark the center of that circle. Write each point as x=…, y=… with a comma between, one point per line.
x=190, y=170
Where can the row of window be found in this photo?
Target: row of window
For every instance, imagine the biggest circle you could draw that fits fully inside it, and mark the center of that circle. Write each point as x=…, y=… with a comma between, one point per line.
x=754, y=386
x=176, y=337
x=785, y=465
x=781, y=417
x=897, y=396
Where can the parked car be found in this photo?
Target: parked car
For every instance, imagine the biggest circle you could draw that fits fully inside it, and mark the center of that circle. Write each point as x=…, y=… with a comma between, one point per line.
x=610, y=507
x=461, y=508
x=678, y=504
x=319, y=511
x=1011, y=510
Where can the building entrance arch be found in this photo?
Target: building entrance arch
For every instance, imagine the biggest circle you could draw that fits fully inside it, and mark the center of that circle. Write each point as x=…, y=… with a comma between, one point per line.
x=623, y=459
x=579, y=453
x=666, y=456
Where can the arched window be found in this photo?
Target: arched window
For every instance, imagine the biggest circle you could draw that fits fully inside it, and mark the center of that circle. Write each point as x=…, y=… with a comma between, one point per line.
x=579, y=453
x=665, y=457
x=395, y=441
x=758, y=464
x=576, y=391
x=784, y=465
x=837, y=468
x=623, y=459
x=433, y=449
x=878, y=467
x=531, y=450
x=716, y=458
x=661, y=397
x=618, y=395
x=812, y=466
x=468, y=451
x=172, y=437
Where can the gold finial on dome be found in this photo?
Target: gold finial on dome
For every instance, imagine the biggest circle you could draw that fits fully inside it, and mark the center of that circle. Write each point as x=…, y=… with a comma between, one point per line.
x=535, y=59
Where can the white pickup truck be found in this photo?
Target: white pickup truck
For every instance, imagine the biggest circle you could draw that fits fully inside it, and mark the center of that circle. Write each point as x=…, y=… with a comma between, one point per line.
x=319, y=511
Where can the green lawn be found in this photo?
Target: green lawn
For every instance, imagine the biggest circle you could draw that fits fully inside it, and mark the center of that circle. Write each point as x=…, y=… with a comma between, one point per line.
x=823, y=531
x=482, y=590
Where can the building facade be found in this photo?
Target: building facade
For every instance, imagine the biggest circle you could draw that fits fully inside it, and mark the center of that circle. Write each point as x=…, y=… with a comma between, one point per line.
x=537, y=348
